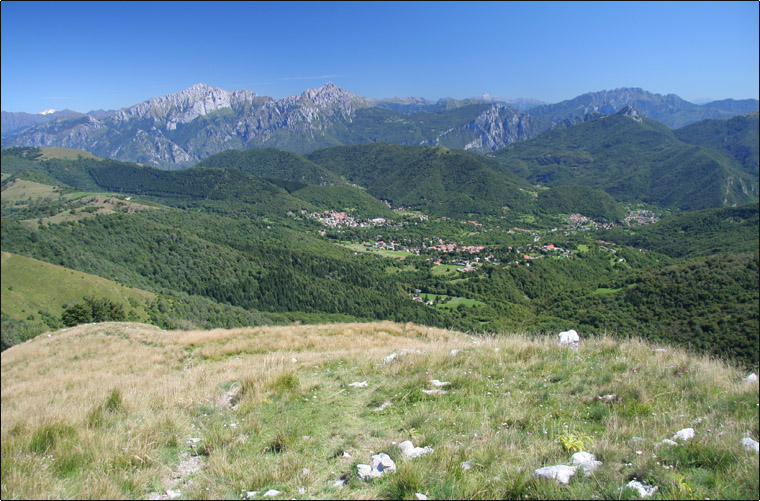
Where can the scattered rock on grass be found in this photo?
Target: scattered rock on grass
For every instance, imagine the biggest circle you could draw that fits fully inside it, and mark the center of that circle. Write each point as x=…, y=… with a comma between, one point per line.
x=362, y=384
x=561, y=473
x=381, y=464
x=568, y=338
x=384, y=406
x=644, y=490
x=466, y=465
x=685, y=434
x=390, y=358
x=420, y=496
x=586, y=461
x=752, y=378
x=608, y=399
x=435, y=392
x=409, y=451
x=439, y=384
x=271, y=493
x=749, y=444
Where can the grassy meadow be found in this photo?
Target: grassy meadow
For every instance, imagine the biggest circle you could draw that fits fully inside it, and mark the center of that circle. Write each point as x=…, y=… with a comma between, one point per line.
x=120, y=410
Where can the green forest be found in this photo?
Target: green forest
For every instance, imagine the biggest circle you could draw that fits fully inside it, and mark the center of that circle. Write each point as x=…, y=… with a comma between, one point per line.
x=429, y=235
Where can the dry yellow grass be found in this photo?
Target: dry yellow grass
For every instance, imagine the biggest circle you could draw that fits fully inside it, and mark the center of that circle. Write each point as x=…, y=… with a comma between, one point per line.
x=104, y=410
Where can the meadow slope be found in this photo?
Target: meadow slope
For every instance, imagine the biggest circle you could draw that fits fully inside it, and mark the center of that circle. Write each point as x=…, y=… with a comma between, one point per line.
x=126, y=410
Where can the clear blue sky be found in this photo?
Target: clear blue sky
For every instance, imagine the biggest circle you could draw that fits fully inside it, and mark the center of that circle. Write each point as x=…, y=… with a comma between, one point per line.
x=92, y=55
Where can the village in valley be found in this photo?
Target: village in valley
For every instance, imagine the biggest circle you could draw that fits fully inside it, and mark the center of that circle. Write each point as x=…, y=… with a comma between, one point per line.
x=457, y=249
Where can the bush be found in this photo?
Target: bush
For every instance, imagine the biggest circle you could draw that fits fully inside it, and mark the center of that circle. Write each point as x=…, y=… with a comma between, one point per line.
x=93, y=310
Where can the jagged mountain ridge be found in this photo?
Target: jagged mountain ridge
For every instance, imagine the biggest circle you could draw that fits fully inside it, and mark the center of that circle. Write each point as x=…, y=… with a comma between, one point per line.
x=181, y=129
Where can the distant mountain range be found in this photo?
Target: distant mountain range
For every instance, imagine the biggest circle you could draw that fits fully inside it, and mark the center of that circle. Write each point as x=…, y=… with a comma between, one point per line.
x=181, y=129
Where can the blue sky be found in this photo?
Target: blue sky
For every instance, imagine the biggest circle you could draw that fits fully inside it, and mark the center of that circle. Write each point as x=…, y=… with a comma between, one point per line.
x=91, y=55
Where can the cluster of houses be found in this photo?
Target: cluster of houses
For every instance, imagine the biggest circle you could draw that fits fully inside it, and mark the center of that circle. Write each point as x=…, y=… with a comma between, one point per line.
x=344, y=220
x=640, y=217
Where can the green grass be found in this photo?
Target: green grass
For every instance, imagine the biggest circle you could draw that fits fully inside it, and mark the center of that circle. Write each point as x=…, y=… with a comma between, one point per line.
x=452, y=301
x=380, y=252
x=31, y=287
x=444, y=270
x=514, y=404
x=49, y=153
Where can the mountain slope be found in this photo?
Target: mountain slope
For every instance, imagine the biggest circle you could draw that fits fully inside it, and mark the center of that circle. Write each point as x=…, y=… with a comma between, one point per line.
x=737, y=136
x=435, y=179
x=631, y=158
x=181, y=129
x=669, y=109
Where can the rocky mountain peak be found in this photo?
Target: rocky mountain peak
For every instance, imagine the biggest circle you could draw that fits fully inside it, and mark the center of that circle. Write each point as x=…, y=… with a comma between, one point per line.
x=630, y=111
x=184, y=106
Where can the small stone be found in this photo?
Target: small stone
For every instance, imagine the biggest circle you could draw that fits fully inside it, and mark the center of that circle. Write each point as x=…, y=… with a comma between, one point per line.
x=752, y=378
x=293, y=360
x=390, y=358
x=685, y=434
x=409, y=451
x=173, y=494
x=453, y=353
x=341, y=482
x=465, y=465
x=668, y=441
x=643, y=489
x=346, y=454
x=439, y=384
x=568, y=338
x=384, y=406
x=419, y=495
x=362, y=384
x=302, y=490
x=561, y=473
x=608, y=399
x=749, y=444
x=434, y=392
x=271, y=493
x=251, y=494
x=305, y=472
x=586, y=461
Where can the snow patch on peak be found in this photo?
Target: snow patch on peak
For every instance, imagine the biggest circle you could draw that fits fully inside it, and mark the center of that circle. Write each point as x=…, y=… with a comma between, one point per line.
x=48, y=111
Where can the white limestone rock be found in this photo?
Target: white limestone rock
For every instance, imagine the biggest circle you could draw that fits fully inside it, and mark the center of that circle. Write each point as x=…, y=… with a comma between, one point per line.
x=390, y=358
x=568, y=338
x=439, y=384
x=359, y=384
x=752, y=378
x=420, y=496
x=561, y=473
x=749, y=444
x=381, y=465
x=435, y=392
x=271, y=493
x=409, y=451
x=586, y=461
x=644, y=490
x=685, y=434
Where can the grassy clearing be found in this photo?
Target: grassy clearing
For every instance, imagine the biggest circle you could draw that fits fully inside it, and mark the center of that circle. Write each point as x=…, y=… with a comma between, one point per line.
x=32, y=288
x=380, y=252
x=109, y=410
x=49, y=153
x=451, y=301
x=20, y=191
x=444, y=270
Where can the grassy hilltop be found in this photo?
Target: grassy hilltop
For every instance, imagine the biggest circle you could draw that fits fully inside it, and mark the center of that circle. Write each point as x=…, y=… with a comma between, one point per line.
x=119, y=410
